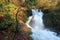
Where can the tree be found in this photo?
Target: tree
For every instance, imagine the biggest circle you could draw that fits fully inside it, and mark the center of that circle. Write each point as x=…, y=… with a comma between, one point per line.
x=47, y=4
x=31, y=3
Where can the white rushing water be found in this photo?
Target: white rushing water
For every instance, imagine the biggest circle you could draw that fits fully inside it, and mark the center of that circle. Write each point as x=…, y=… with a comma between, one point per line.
x=35, y=22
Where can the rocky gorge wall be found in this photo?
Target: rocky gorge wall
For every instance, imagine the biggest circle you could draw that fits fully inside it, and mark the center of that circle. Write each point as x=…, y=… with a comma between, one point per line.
x=52, y=20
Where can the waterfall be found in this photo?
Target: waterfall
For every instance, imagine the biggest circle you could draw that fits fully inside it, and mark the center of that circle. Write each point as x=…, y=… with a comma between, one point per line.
x=35, y=22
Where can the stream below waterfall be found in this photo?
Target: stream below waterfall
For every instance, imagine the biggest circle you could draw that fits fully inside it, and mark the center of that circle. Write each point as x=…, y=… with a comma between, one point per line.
x=39, y=32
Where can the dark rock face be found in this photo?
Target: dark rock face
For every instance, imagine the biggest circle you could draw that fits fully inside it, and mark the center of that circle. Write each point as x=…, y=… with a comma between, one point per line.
x=51, y=20
x=29, y=12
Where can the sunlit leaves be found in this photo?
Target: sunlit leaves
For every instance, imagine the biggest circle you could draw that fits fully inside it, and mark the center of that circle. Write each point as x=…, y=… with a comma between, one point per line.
x=47, y=4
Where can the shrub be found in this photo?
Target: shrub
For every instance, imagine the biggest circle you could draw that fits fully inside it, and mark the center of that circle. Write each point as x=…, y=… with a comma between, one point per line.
x=31, y=3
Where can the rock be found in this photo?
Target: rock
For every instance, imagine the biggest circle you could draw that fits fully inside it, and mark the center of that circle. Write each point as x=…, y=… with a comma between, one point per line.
x=51, y=20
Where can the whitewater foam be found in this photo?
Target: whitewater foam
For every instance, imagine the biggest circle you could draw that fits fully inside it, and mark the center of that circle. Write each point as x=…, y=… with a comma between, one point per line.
x=35, y=22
